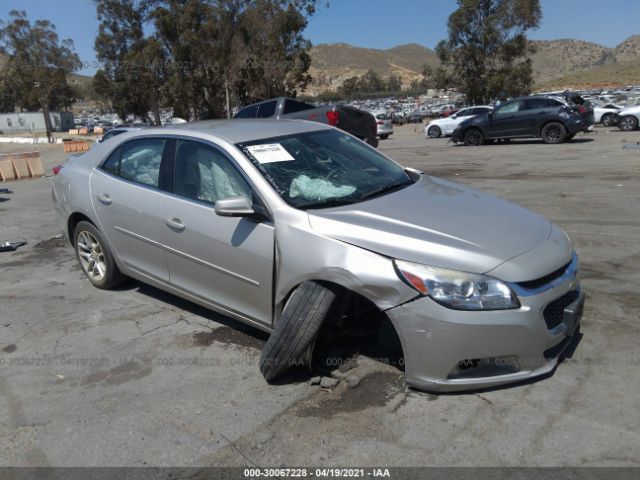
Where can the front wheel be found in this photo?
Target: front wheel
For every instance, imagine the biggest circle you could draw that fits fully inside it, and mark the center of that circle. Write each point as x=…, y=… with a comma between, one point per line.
x=434, y=132
x=473, y=137
x=607, y=119
x=296, y=329
x=95, y=257
x=628, y=123
x=553, y=132
x=384, y=137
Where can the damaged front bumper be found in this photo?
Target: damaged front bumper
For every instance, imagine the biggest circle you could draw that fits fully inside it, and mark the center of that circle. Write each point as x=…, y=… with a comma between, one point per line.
x=449, y=350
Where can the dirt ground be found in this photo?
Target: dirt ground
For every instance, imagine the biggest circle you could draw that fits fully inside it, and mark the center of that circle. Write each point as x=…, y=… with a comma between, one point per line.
x=138, y=377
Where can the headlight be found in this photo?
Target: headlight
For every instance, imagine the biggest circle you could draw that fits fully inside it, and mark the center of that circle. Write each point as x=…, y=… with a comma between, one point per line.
x=458, y=290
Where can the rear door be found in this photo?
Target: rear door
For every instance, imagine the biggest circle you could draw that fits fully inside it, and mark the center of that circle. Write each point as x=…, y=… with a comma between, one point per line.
x=127, y=194
x=225, y=261
x=540, y=111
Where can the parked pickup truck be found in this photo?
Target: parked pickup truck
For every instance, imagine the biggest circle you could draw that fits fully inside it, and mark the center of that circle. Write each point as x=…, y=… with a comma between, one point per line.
x=356, y=122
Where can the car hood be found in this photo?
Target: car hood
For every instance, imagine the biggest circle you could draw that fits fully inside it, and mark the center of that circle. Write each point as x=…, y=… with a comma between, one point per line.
x=444, y=224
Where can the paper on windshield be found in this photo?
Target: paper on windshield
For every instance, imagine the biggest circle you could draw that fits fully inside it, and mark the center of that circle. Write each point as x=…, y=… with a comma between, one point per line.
x=270, y=153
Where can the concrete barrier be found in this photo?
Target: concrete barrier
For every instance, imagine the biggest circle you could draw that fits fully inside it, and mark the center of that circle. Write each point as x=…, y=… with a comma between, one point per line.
x=19, y=166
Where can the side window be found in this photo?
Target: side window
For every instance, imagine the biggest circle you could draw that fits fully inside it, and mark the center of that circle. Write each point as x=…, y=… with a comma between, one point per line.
x=467, y=112
x=511, y=107
x=249, y=112
x=267, y=109
x=112, y=164
x=291, y=106
x=140, y=160
x=205, y=174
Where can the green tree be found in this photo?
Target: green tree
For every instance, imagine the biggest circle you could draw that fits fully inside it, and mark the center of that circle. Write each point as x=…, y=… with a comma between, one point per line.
x=394, y=83
x=486, y=54
x=38, y=66
x=201, y=54
x=132, y=62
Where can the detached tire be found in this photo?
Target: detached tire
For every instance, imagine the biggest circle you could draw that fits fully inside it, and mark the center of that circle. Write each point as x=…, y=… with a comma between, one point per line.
x=299, y=323
x=553, y=133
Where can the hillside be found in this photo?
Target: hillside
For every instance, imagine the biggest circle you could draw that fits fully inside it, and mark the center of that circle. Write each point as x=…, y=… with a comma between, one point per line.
x=557, y=58
x=559, y=63
x=332, y=64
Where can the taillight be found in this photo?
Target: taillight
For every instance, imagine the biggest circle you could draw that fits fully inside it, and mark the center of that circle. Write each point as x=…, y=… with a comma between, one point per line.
x=56, y=169
x=380, y=122
x=333, y=116
x=582, y=109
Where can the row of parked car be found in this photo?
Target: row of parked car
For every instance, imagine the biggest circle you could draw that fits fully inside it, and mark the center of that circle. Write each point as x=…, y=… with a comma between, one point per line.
x=553, y=118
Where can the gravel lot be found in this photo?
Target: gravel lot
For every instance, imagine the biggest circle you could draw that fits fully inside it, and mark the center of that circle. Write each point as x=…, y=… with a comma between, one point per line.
x=139, y=377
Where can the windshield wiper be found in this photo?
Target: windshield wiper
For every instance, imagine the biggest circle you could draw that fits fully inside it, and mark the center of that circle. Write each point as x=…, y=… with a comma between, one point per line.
x=334, y=202
x=386, y=189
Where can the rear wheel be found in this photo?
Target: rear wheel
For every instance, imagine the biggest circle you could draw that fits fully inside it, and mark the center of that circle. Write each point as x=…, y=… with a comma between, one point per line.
x=296, y=329
x=384, y=137
x=628, y=123
x=372, y=141
x=473, y=137
x=553, y=132
x=607, y=119
x=434, y=132
x=95, y=257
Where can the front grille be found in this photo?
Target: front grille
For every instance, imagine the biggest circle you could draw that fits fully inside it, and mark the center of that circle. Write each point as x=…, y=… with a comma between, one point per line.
x=540, y=282
x=555, y=310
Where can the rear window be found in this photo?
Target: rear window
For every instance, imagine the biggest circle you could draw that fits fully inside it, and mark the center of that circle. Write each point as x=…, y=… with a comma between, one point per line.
x=267, y=110
x=382, y=116
x=291, y=106
x=249, y=112
x=535, y=103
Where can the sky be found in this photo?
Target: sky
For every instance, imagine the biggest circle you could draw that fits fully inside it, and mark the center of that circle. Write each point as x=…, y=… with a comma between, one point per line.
x=373, y=23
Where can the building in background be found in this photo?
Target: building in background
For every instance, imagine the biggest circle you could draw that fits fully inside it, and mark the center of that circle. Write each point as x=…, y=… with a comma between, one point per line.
x=32, y=122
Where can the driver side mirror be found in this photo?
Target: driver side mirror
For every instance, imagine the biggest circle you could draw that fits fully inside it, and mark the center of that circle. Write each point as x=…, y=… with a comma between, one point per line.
x=454, y=116
x=490, y=114
x=234, y=207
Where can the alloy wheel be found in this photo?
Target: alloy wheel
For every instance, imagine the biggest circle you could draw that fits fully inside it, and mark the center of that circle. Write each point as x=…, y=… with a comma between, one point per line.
x=91, y=256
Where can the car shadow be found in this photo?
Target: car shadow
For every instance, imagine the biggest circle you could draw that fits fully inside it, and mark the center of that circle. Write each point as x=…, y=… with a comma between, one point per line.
x=533, y=141
x=192, y=308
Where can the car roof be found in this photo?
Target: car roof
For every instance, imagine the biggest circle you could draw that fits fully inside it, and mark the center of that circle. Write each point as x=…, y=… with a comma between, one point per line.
x=243, y=129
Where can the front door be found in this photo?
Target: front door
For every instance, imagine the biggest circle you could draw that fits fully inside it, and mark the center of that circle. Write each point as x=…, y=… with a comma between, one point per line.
x=508, y=120
x=226, y=261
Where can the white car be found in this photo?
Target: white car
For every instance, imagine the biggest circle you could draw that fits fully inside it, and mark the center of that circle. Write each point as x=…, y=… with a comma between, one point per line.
x=446, y=126
x=628, y=118
x=605, y=115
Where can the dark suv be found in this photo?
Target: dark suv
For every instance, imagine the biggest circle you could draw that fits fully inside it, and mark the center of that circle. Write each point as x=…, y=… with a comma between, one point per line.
x=552, y=118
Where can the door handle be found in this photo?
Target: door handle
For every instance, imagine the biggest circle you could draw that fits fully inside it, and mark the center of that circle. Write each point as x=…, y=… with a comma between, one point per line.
x=175, y=224
x=104, y=198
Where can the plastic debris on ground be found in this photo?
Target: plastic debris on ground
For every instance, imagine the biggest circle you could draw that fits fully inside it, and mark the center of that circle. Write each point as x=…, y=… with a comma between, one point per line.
x=12, y=246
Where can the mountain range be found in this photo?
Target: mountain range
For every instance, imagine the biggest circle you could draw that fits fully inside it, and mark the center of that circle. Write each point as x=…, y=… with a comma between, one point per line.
x=564, y=63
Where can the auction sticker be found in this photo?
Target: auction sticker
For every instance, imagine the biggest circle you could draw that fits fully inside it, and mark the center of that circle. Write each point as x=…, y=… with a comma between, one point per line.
x=270, y=153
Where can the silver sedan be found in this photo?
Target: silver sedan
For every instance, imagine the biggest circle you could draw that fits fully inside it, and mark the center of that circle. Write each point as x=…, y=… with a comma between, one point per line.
x=287, y=225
